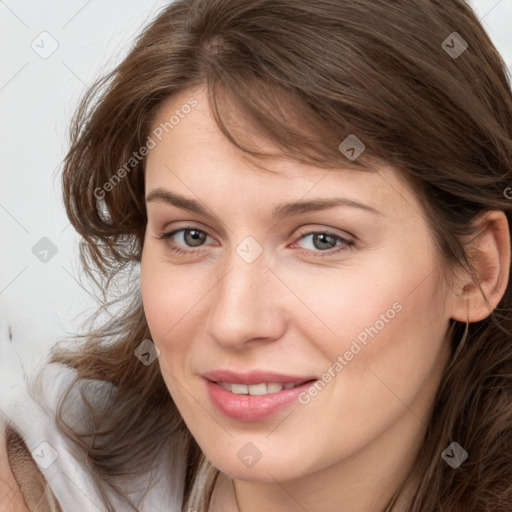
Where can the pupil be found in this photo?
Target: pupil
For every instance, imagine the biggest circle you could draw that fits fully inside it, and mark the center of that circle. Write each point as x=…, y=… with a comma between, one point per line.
x=323, y=237
x=195, y=236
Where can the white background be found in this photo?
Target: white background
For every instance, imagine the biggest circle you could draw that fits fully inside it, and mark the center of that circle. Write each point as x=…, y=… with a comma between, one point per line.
x=41, y=301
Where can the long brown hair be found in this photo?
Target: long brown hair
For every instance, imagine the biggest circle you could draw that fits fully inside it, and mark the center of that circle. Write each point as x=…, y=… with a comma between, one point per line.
x=418, y=82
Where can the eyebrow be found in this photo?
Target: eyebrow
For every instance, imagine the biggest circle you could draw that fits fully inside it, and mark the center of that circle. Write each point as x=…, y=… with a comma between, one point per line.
x=278, y=212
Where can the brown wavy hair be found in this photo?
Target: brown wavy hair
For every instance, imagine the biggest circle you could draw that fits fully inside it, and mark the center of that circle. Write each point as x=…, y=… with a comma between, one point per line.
x=306, y=75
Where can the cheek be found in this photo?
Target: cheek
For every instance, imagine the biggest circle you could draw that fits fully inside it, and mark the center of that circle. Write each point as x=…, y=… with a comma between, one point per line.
x=164, y=301
x=172, y=299
x=397, y=354
x=416, y=348
x=390, y=323
x=340, y=306
x=167, y=293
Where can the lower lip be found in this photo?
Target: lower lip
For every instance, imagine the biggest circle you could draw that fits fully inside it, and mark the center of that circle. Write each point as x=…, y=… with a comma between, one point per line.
x=252, y=407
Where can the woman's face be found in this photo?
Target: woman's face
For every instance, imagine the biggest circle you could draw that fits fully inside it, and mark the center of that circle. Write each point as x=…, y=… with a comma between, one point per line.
x=262, y=297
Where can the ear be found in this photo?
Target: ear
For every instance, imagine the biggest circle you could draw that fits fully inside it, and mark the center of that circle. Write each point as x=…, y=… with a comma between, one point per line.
x=489, y=253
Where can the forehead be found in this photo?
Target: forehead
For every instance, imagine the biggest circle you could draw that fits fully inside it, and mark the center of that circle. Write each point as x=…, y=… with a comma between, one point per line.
x=193, y=156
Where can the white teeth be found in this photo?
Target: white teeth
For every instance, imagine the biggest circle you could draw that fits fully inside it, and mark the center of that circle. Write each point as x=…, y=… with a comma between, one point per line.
x=256, y=389
x=239, y=389
x=274, y=387
x=225, y=385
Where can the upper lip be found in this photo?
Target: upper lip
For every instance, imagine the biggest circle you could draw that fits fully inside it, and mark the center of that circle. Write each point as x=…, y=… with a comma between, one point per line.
x=255, y=377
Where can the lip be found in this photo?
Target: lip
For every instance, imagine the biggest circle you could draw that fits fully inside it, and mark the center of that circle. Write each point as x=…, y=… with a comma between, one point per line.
x=249, y=408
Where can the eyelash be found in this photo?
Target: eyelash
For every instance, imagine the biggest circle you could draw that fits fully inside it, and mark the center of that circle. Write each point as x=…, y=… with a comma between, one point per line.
x=347, y=244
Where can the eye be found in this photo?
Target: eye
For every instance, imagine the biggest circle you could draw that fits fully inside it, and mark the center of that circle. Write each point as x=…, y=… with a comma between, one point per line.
x=324, y=242
x=191, y=236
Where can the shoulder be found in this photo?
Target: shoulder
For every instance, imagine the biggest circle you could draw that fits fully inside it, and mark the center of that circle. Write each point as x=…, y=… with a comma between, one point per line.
x=37, y=456
x=30, y=401
x=11, y=498
x=22, y=419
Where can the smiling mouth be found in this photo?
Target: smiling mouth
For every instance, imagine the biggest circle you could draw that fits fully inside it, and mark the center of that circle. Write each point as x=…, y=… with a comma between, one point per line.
x=248, y=399
x=261, y=388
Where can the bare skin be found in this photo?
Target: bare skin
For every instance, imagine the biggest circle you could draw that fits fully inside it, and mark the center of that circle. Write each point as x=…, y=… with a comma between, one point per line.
x=295, y=309
x=11, y=499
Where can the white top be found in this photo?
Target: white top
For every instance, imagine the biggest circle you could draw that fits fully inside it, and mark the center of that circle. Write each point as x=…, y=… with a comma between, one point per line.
x=64, y=468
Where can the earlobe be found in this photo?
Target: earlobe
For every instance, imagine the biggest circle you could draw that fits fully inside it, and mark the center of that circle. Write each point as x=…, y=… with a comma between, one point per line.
x=489, y=253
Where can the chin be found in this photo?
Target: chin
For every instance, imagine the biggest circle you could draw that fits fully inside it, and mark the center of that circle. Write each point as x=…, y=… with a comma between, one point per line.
x=266, y=469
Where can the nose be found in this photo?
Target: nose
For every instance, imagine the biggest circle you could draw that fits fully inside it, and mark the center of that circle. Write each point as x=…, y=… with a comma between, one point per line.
x=247, y=305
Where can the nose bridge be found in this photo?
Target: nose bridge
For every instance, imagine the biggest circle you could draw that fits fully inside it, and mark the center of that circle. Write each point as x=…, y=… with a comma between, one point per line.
x=245, y=305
